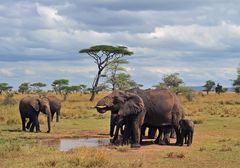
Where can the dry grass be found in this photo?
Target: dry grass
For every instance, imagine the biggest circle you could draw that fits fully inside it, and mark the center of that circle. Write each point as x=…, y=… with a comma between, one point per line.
x=216, y=141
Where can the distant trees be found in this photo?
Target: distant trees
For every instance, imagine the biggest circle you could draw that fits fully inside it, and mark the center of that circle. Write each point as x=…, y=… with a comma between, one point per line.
x=170, y=81
x=4, y=87
x=24, y=88
x=175, y=83
x=36, y=87
x=209, y=85
x=103, y=55
x=117, y=78
x=236, y=82
x=59, y=84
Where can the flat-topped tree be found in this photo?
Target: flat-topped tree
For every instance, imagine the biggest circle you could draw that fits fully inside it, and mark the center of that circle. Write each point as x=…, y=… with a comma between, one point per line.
x=103, y=55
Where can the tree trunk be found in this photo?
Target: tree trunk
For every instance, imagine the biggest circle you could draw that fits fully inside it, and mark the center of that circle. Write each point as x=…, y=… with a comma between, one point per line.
x=95, y=84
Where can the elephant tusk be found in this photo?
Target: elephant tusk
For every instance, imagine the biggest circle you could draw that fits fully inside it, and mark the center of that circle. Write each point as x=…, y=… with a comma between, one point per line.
x=100, y=106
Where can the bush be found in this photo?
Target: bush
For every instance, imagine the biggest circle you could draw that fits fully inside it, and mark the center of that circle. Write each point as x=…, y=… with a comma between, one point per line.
x=9, y=100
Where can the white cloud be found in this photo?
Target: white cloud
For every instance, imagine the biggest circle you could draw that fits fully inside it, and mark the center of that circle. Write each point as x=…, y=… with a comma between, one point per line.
x=166, y=70
x=7, y=72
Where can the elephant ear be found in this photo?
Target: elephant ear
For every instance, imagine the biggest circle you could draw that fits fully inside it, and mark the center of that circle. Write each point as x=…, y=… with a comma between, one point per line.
x=132, y=106
x=35, y=104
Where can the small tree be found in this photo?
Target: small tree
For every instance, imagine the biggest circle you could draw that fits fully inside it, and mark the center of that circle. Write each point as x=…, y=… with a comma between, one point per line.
x=59, y=84
x=103, y=55
x=24, y=88
x=236, y=82
x=36, y=87
x=170, y=81
x=112, y=69
x=124, y=82
x=4, y=87
x=209, y=85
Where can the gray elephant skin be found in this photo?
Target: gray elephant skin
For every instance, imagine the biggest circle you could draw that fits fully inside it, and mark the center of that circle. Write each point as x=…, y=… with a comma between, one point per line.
x=186, y=131
x=163, y=108
x=130, y=109
x=55, y=106
x=30, y=107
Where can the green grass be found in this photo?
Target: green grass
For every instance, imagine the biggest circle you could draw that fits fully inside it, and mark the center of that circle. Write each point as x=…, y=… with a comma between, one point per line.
x=216, y=140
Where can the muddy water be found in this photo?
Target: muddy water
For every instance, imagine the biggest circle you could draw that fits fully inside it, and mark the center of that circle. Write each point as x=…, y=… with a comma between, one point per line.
x=67, y=144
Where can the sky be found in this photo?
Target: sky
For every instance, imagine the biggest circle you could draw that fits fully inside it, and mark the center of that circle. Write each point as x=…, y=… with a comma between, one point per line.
x=199, y=39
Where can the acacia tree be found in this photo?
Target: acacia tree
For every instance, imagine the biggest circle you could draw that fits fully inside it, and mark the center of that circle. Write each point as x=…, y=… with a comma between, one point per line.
x=103, y=55
x=59, y=84
x=36, y=86
x=4, y=87
x=124, y=82
x=209, y=85
x=112, y=69
x=170, y=81
x=24, y=88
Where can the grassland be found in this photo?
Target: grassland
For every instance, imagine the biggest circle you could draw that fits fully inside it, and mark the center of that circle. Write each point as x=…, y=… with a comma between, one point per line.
x=216, y=141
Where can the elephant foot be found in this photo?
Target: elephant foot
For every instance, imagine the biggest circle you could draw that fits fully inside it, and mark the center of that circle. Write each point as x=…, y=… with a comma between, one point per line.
x=135, y=145
x=48, y=131
x=38, y=131
x=161, y=142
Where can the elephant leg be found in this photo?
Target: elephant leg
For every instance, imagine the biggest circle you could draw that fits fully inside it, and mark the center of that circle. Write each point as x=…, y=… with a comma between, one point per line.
x=178, y=135
x=182, y=137
x=29, y=123
x=189, y=139
x=23, y=123
x=152, y=132
x=126, y=133
x=143, y=130
x=173, y=134
x=52, y=115
x=159, y=139
x=186, y=139
x=136, y=136
x=57, y=119
x=36, y=123
x=167, y=132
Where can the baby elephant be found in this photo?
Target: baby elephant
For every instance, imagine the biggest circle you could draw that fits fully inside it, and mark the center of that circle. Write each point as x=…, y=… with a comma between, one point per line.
x=186, y=131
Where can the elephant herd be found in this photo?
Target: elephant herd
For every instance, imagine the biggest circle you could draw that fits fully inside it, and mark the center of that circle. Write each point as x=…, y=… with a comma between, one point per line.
x=30, y=107
x=135, y=110
x=132, y=112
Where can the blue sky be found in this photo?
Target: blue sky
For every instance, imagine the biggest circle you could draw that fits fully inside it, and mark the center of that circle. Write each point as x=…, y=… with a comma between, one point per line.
x=40, y=40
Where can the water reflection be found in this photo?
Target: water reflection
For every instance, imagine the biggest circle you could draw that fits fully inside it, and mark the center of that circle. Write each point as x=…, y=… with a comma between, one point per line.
x=67, y=144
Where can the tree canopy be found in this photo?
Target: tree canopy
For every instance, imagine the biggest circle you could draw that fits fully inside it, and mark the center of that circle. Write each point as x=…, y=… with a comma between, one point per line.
x=209, y=85
x=102, y=56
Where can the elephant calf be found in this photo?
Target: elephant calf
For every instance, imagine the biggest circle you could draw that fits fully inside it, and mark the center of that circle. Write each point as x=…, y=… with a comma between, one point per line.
x=186, y=131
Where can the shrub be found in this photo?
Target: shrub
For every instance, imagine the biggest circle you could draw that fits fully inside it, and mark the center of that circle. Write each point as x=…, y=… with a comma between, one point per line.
x=9, y=100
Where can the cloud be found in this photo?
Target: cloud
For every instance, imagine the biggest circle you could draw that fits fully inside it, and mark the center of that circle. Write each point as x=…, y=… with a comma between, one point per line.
x=7, y=72
x=199, y=39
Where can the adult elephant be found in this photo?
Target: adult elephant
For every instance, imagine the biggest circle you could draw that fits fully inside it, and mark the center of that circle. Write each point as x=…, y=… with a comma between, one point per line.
x=55, y=106
x=30, y=107
x=130, y=108
x=163, y=108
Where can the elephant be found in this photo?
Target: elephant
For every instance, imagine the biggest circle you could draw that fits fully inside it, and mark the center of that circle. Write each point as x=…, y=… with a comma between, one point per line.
x=29, y=107
x=163, y=108
x=130, y=108
x=186, y=131
x=55, y=106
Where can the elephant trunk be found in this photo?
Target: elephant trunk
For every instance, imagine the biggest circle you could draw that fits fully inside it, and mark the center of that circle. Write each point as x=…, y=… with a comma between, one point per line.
x=112, y=124
x=49, y=120
x=58, y=113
